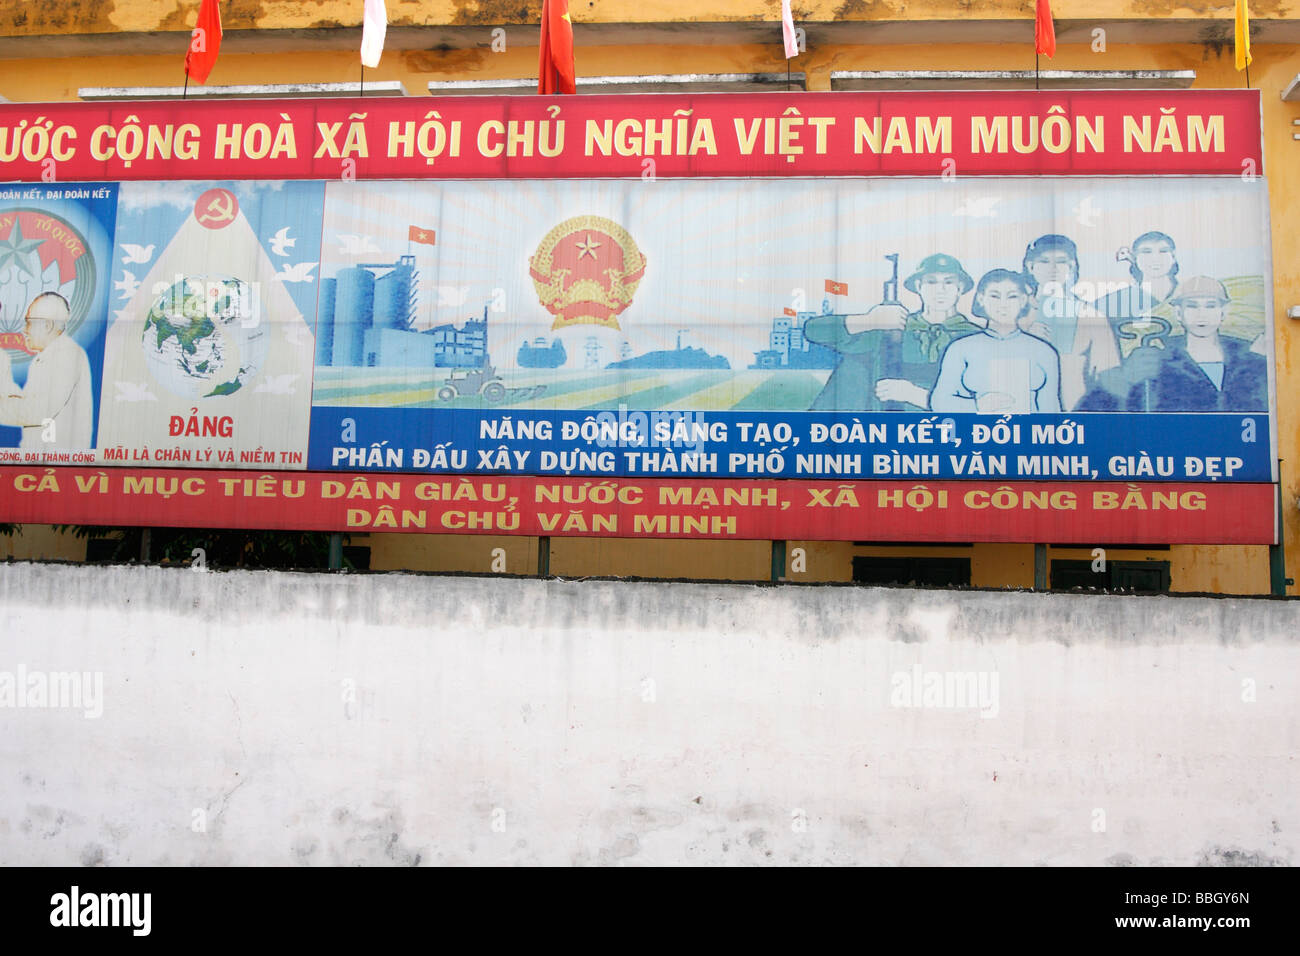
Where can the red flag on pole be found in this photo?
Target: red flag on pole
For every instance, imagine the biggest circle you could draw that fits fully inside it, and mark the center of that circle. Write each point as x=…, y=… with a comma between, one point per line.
x=416, y=234
x=837, y=288
x=1044, y=30
x=555, y=69
x=205, y=42
x=791, y=312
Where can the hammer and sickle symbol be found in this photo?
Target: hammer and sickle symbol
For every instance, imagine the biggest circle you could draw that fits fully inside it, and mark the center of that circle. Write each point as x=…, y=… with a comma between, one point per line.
x=220, y=209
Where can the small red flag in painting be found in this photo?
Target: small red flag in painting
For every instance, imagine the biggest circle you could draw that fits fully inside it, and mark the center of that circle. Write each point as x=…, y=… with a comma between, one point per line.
x=791, y=312
x=417, y=234
x=837, y=288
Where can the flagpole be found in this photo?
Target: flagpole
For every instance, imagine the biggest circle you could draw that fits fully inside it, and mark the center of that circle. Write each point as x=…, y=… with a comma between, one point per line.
x=1036, y=68
x=186, y=90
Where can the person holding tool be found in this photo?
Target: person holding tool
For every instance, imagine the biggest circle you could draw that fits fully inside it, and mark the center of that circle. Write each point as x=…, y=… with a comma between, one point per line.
x=1202, y=370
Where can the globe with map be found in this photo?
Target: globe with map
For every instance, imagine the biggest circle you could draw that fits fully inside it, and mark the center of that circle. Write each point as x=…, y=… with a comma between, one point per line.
x=202, y=337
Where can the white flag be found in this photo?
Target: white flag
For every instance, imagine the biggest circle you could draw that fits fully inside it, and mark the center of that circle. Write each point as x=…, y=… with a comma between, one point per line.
x=787, y=29
x=373, y=27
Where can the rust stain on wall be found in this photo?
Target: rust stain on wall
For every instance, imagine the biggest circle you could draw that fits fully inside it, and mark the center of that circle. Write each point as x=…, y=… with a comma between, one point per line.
x=176, y=19
x=863, y=10
x=1221, y=9
x=480, y=12
x=445, y=61
x=1217, y=38
x=24, y=18
x=241, y=14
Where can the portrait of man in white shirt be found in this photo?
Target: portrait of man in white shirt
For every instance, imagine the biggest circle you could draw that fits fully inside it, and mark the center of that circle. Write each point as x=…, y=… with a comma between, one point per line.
x=58, y=391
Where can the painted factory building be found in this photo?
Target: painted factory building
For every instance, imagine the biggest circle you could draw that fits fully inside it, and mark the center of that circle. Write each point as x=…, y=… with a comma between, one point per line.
x=787, y=347
x=365, y=315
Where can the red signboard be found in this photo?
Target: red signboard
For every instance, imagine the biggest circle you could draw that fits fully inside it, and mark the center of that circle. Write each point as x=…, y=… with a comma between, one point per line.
x=1122, y=133
x=1060, y=512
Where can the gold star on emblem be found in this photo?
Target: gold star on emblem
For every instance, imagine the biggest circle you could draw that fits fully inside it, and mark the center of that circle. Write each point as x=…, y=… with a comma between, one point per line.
x=588, y=247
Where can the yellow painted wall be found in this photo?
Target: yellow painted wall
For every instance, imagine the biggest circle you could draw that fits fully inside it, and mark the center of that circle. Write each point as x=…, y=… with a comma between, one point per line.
x=40, y=542
x=450, y=552
x=661, y=558
x=53, y=79
x=708, y=47
x=1217, y=569
x=27, y=18
x=1220, y=570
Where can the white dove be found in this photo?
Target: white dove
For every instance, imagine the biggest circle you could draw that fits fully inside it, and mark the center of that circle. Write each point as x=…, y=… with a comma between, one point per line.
x=277, y=384
x=297, y=333
x=298, y=272
x=981, y=208
x=1085, y=214
x=281, y=243
x=134, y=392
x=356, y=245
x=128, y=284
x=136, y=253
x=452, y=295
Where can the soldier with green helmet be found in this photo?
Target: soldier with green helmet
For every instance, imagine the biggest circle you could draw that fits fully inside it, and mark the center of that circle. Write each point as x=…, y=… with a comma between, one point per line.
x=889, y=358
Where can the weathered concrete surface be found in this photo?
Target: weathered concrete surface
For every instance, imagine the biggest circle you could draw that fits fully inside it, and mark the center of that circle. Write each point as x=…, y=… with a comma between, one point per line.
x=396, y=719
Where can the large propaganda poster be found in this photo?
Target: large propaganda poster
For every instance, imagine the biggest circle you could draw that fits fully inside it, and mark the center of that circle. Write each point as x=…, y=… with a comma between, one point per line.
x=1060, y=303
x=797, y=328
x=208, y=358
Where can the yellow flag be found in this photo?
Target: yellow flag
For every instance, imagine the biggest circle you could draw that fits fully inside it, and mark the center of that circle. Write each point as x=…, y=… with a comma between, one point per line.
x=1241, y=36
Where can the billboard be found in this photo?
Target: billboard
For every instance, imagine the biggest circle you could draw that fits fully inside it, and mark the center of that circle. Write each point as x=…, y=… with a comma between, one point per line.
x=1081, y=319
x=796, y=328
x=956, y=511
x=742, y=135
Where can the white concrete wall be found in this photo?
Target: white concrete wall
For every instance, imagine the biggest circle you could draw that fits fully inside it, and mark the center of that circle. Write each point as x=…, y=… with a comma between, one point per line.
x=518, y=721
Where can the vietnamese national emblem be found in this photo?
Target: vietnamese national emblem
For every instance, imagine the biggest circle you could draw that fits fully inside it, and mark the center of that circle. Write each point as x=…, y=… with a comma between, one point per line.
x=586, y=271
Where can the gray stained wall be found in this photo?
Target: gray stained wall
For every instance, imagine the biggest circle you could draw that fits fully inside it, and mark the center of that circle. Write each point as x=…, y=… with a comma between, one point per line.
x=268, y=718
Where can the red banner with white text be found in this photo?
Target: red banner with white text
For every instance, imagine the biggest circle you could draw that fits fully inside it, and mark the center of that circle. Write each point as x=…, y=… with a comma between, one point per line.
x=958, y=511
x=1065, y=133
